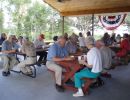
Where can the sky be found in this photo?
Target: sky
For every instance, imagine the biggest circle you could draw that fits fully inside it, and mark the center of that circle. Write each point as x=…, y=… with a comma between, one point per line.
x=7, y=17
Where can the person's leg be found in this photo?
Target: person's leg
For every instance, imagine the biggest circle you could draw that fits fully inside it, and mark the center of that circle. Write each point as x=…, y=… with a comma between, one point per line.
x=78, y=80
x=6, y=63
x=45, y=55
x=23, y=68
x=13, y=62
x=58, y=75
x=57, y=69
x=5, y=71
x=41, y=56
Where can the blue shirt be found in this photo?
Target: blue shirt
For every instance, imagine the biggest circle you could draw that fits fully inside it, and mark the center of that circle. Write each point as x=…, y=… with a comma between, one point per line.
x=56, y=51
x=6, y=45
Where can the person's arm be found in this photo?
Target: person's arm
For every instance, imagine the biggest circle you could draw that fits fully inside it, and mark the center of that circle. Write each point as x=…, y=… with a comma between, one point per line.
x=4, y=49
x=8, y=51
x=85, y=63
x=63, y=59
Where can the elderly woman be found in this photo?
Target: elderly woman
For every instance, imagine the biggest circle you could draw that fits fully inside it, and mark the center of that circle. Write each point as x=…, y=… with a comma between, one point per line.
x=93, y=69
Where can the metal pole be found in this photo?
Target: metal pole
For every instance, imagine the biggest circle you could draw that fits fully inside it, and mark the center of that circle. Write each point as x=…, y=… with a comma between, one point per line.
x=92, y=24
x=62, y=25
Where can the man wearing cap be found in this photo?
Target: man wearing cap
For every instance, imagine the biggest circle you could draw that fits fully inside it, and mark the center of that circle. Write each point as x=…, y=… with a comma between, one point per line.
x=58, y=52
x=9, y=47
x=39, y=43
x=93, y=66
x=27, y=48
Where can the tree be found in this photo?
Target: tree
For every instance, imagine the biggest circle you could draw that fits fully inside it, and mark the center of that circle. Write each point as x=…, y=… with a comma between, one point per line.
x=1, y=21
x=83, y=23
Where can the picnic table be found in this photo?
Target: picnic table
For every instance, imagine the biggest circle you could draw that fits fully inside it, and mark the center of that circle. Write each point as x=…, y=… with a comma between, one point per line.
x=71, y=68
x=115, y=48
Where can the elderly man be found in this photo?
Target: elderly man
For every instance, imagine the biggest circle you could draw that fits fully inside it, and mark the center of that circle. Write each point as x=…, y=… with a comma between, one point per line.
x=106, y=54
x=57, y=52
x=93, y=66
x=27, y=48
x=9, y=47
x=71, y=45
x=39, y=43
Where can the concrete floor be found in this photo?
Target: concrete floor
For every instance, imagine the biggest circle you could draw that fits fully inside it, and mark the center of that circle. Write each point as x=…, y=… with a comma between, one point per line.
x=20, y=87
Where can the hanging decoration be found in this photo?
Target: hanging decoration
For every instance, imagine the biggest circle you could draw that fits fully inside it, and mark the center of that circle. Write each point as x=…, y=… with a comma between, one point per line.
x=112, y=22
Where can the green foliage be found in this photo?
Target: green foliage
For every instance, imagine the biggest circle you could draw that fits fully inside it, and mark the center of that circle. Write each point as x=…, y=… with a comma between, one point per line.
x=1, y=20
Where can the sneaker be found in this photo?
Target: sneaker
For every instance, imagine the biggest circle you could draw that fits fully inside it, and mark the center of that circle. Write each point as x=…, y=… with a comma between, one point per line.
x=59, y=88
x=77, y=94
x=6, y=73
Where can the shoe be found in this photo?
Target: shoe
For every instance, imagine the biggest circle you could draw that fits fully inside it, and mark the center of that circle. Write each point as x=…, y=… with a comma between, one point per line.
x=59, y=88
x=78, y=94
x=70, y=82
x=106, y=75
x=6, y=73
x=99, y=82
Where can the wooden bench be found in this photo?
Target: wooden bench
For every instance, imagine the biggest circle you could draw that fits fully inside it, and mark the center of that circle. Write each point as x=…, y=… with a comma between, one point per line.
x=87, y=84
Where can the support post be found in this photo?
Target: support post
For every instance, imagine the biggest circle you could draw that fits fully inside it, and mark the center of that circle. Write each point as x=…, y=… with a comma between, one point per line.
x=92, y=24
x=62, y=25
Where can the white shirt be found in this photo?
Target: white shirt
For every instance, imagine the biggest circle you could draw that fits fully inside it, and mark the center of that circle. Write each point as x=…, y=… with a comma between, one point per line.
x=81, y=41
x=39, y=44
x=106, y=54
x=94, y=59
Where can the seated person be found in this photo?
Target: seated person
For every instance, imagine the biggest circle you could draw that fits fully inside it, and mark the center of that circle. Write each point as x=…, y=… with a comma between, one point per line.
x=125, y=46
x=3, y=37
x=55, y=38
x=39, y=43
x=8, y=49
x=71, y=45
x=93, y=64
x=57, y=52
x=27, y=48
x=20, y=39
x=106, y=54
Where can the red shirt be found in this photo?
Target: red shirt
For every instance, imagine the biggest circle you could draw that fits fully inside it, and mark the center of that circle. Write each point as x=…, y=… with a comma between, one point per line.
x=125, y=47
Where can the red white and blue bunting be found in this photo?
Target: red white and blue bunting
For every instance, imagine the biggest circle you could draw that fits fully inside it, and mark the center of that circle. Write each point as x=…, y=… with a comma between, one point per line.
x=112, y=22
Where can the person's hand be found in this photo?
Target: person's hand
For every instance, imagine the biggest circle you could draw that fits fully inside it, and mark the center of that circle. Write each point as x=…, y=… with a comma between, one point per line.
x=82, y=62
x=12, y=51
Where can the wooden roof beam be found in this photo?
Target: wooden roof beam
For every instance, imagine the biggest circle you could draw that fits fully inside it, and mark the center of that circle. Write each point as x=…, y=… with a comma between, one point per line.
x=96, y=11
